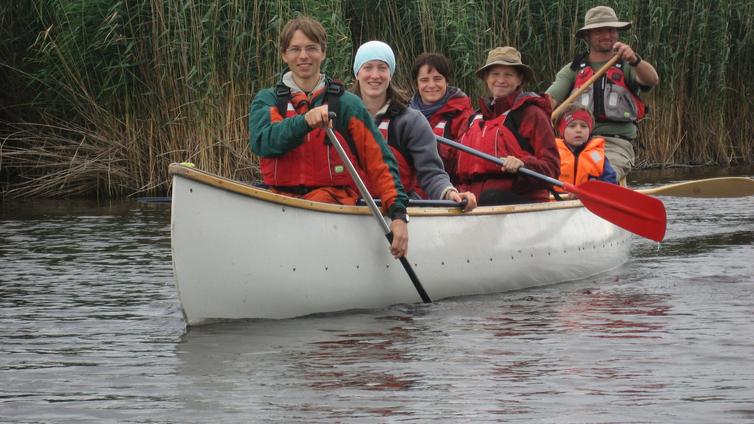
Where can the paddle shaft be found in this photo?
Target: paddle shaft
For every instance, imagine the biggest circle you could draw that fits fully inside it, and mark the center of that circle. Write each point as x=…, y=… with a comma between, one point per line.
x=496, y=160
x=720, y=187
x=636, y=212
x=429, y=203
x=375, y=210
x=556, y=113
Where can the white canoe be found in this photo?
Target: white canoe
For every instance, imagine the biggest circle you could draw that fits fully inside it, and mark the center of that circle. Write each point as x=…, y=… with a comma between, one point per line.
x=243, y=252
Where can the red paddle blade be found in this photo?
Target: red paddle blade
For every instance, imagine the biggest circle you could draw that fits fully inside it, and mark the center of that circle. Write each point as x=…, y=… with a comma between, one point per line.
x=636, y=212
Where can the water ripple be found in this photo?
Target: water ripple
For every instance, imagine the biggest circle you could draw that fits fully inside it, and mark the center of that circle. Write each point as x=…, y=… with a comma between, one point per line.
x=91, y=332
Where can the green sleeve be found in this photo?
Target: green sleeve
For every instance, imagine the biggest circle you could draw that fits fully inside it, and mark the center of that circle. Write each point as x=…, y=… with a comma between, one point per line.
x=269, y=135
x=631, y=79
x=563, y=84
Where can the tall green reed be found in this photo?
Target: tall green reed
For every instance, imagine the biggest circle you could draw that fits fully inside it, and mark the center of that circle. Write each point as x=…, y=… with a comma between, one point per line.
x=105, y=94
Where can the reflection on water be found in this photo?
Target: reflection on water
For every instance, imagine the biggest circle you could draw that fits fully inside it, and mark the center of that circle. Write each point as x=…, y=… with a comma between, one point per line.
x=330, y=364
x=91, y=332
x=623, y=315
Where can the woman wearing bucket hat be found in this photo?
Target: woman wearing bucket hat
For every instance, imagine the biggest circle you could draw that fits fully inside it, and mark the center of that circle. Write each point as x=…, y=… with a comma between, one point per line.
x=406, y=130
x=512, y=124
x=614, y=98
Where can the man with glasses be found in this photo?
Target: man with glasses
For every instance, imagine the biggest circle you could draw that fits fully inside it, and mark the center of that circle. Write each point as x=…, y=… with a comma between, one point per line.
x=286, y=130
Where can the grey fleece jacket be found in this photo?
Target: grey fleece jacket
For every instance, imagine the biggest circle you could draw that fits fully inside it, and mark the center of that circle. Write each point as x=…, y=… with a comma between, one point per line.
x=412, y=130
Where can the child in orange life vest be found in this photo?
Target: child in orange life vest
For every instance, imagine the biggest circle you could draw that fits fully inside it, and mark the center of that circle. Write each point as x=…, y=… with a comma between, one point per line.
x=582, y=158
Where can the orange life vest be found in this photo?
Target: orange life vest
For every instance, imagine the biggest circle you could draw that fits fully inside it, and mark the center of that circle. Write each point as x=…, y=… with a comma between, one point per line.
x=589, y=164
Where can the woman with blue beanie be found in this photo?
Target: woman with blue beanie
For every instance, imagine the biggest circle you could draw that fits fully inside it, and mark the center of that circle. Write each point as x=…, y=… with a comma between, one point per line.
x=406, y=130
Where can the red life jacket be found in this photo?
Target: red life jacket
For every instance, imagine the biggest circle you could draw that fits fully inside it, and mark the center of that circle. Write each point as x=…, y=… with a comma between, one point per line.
x=610, y=98
x=441, y=128
x=405, y=167
x=590, y=162
x=450, y=121
x=314, y=162
x=447, y=153
x=498, y=137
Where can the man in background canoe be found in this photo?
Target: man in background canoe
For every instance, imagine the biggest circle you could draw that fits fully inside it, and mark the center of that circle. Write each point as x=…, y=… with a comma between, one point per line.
x=613, y=98
x=286, y=129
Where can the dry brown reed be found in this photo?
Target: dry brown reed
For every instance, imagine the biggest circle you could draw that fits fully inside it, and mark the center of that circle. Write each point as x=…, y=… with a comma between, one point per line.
x=106, y=94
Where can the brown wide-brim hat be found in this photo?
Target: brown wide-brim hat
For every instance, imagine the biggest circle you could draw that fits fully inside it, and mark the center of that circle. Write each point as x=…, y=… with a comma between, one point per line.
x=600, y=17
x=507, y=56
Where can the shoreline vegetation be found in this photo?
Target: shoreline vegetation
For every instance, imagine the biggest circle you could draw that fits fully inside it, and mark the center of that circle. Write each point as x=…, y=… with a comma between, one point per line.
x=99, y=96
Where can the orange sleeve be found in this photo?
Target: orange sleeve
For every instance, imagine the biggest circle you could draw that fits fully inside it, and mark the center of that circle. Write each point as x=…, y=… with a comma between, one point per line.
x=379, y=164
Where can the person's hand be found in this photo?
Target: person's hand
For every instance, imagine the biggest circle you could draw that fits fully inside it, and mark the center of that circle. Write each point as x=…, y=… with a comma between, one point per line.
x=459, y=197
x=399, y=228
x=317, y=117
x=512, y=164
x=625, y=52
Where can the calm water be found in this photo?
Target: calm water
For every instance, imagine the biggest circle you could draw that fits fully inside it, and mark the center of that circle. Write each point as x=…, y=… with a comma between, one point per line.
x=91, y=332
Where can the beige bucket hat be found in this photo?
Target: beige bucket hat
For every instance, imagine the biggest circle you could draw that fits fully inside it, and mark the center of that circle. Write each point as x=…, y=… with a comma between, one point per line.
x=505, y=56
x=600, y=17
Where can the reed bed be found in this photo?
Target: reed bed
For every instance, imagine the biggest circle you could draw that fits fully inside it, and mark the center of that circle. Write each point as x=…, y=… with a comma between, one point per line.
x=101, y=96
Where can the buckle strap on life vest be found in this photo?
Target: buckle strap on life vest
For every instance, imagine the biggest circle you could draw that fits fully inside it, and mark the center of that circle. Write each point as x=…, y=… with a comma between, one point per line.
x=335, y=88
x=283, y=96
x=579, y=61
x=333, y=91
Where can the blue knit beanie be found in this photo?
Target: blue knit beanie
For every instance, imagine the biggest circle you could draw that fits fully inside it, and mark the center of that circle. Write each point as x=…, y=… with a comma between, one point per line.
x=374, y=50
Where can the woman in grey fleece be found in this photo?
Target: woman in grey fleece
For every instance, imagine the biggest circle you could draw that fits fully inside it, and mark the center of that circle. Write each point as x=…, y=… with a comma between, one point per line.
x=406, y=130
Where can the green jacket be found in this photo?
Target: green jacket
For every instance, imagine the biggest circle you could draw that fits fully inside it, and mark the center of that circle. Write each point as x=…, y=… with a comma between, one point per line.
x=271, y=134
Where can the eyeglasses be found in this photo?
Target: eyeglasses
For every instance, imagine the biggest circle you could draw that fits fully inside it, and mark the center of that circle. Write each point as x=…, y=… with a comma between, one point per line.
x=310, y=49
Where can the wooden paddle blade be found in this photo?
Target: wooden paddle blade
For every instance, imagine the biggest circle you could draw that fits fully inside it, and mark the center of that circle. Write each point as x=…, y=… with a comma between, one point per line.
x=636, y=212
x=707, y=188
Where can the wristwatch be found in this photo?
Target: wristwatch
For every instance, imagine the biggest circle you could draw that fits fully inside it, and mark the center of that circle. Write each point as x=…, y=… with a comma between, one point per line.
x=403, y=216
x=637, y=61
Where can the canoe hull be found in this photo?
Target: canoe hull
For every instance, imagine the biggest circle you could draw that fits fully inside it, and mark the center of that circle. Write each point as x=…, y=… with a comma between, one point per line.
x=238, y=255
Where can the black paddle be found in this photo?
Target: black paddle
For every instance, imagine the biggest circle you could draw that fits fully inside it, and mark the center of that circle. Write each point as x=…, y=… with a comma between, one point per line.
x=375, y=211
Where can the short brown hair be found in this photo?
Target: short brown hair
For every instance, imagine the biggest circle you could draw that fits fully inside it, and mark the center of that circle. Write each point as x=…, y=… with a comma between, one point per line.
x=311, y=29
x=435, y=61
